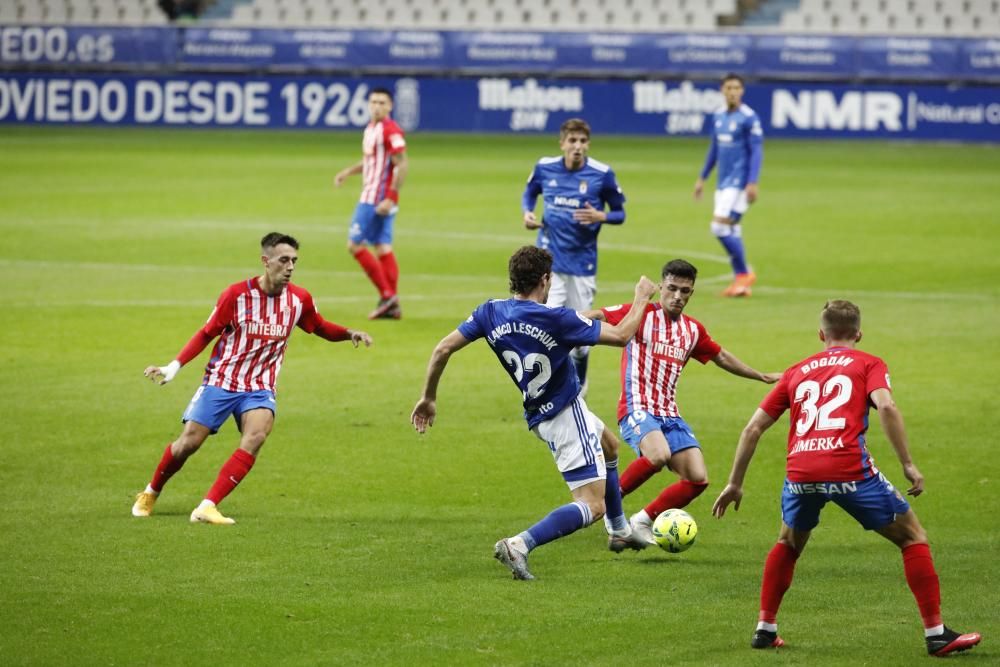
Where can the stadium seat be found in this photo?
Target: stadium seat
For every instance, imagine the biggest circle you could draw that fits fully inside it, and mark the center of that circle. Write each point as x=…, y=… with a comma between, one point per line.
x=961, y=23
x=244, y=15
x=875, y=22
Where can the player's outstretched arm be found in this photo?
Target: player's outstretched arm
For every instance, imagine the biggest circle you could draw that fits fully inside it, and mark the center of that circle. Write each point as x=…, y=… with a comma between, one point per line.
x=199, y=341
x=425, y=410
x=727, y=361
x=892, y=424
x=621, y=333
x=358, y=337
x=342, y=175
x=733, y=493
x=162, y=374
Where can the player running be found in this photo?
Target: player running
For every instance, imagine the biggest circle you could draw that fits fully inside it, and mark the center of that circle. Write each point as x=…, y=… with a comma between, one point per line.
x=738, y=148
x=253, y=320
x=383, y=168
x=828, y=395
x=576, y=189
x=533, y=343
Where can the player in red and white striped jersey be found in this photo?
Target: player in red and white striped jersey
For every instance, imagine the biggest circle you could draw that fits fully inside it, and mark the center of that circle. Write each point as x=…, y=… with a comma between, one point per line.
x=383, y=169
x=828, y=396
x=252, y=320
x=647, y=409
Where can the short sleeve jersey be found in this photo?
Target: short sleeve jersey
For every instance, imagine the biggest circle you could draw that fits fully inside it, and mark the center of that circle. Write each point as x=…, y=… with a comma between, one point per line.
x=828, y=398
x=653, y=360
x=573, y=245
x=380, y=142
x=533, y=342
x=734, y=133
x=253, y=329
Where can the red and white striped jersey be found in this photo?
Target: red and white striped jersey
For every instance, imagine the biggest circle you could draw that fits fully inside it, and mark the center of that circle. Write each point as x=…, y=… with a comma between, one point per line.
x=653, y=360
x=253, y=330
x=381, y=141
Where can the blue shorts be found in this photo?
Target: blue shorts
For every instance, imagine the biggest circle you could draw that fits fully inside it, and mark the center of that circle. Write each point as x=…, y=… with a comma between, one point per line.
x=873, y=502
x=367, y=227
x=635, y=426
x=210, y=406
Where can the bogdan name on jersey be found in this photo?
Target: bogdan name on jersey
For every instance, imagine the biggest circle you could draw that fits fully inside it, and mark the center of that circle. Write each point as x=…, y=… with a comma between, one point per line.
x=817, y=445
x=571, y=202
x=831, y=488
x=508, y=328
x=266, y=330
x=823, y=362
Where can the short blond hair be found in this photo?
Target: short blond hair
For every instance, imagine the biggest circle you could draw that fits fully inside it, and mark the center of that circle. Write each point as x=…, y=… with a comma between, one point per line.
x=840, y=319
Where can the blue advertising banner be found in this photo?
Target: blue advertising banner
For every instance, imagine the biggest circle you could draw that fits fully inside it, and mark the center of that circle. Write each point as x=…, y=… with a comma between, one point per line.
x=907, y=57
x=305, y=49
x=87, y=47
x=499, y=104
x=980, y=59
x=431, y=52
x=804, y=55
x=710, y=52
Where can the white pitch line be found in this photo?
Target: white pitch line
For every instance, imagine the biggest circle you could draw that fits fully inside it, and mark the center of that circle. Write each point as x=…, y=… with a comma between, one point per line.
x=604, y=286
x=489, y=240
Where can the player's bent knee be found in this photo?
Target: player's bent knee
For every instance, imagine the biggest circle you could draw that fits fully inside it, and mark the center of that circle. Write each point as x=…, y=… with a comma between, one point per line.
x=659, y=462
x=185, y=447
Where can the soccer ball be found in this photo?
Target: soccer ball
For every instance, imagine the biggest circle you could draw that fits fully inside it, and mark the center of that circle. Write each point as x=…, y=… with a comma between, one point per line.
x=675, y=531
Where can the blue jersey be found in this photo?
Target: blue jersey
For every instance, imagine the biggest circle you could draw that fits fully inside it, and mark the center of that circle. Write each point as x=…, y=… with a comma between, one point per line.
x=573, y=245
x=533, y=343
x=738, y=147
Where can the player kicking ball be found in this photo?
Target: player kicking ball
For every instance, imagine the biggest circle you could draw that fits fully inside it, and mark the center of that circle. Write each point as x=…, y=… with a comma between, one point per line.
x=828, y=395
x=533, y=343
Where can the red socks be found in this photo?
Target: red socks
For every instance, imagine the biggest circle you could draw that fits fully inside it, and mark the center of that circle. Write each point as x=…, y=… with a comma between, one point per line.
x=923, y=581
x=778, y=570
x=165, y=470
x=677, y=495
x=375, y=272
x=390, y=270
x=232, y=473
x=635, y=474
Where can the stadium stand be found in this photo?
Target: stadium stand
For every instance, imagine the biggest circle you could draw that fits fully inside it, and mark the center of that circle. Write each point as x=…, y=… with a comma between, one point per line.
x=613, y=15
x=906, y=17
x=923, y=17
x=83, y=12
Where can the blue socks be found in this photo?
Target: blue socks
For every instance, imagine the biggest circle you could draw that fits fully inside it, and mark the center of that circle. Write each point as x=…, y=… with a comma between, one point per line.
x=731, y=238
x=615, y=513
x=737, y=256
x=559, y=522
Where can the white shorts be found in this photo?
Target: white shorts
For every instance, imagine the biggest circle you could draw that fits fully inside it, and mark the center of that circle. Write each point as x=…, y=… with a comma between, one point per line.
x=731, y=203
x=576, y=292
x=574, y=437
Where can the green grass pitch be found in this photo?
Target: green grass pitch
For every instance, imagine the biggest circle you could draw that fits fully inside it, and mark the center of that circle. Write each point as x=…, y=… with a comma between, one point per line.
x=360, y=542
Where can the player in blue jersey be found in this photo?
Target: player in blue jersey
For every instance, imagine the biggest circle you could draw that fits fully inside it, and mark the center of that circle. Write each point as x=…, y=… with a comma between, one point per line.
x=533, y=343
x=580, y=194
x=738, y=148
